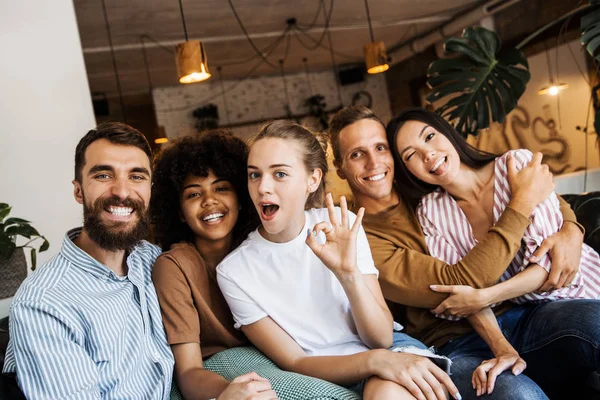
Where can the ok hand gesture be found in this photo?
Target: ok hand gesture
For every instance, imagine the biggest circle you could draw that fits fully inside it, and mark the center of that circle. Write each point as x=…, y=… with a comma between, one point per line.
x=338, y=252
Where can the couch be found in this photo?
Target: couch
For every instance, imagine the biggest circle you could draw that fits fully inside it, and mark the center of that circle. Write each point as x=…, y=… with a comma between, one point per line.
x=586, y=207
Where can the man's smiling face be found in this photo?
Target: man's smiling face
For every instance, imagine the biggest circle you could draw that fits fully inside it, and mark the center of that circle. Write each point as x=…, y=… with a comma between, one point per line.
x=366, y=160
x=115, y=193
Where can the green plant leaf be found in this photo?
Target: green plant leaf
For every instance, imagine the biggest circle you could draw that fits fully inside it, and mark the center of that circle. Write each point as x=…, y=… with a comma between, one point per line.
x=45, y=246
x=4, y=211
x=14, y=227
x=33, y=259
x=590, y=30
x=12, y=221
x=22, y=230
x=481, y=82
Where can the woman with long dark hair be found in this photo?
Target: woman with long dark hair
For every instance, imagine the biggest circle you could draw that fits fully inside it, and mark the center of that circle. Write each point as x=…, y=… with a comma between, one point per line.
x=460, y=193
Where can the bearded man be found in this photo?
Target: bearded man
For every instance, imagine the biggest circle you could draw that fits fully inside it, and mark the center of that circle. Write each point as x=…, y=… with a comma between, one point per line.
x=87, y=324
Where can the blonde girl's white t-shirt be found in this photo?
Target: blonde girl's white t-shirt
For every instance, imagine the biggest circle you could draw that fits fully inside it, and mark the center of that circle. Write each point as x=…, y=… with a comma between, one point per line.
x=287, y=282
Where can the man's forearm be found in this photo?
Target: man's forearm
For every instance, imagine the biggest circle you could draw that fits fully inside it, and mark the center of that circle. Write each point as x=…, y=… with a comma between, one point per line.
x=485, y=324
x=406, y=274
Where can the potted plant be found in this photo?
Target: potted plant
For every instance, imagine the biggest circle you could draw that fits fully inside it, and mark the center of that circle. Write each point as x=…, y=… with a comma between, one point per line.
x=12, y=258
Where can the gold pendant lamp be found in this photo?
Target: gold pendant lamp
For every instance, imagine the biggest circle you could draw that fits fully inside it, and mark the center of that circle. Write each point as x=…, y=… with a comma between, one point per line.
x=375, y=55
x=191, y=59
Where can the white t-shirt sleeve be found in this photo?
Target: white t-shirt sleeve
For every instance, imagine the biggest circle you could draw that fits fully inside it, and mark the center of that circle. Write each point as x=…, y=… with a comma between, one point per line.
x=245, y=311
x=364, y=258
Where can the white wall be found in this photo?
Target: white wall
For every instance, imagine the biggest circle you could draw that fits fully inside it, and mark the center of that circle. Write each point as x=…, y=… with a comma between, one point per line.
x=45, y=109
x=578, y=182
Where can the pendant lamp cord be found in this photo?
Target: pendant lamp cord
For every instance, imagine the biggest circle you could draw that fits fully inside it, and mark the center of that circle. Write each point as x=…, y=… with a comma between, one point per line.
x=305, y=62
x=369, y=21
x=285, y=89
x=334, y=66
x=146, y=65
x=114, y=62
x=223, y=93
x=549, y=64
x=183, y=21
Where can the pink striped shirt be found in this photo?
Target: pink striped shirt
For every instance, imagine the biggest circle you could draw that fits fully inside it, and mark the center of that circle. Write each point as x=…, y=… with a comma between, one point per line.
x=449, y=235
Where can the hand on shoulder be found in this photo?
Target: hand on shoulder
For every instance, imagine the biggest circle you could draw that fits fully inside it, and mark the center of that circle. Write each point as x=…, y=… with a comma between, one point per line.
x=530, y=185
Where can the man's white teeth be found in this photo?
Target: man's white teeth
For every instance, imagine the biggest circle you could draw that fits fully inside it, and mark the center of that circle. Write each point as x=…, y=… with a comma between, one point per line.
x=376, y=177
x=438, y=163
x=121, y=211
x=213, y=217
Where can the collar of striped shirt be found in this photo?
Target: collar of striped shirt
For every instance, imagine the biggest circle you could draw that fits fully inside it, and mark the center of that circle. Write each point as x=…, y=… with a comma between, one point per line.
x=83, y=260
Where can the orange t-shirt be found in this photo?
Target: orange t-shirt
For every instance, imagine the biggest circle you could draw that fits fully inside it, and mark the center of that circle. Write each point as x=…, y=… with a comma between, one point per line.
x=193, y=308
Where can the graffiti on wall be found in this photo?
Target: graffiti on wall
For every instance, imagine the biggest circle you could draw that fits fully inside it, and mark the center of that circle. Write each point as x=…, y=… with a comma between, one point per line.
x=521, y=130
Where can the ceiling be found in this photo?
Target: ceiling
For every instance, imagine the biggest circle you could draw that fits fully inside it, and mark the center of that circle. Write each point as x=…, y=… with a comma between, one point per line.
x=157, y=24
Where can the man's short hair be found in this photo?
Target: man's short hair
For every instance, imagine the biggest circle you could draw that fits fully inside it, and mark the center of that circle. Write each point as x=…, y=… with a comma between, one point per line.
x=343, y=118
x=114, y=132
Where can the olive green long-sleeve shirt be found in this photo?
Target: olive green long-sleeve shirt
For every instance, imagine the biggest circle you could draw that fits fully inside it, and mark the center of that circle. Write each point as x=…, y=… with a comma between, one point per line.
x=406, y=270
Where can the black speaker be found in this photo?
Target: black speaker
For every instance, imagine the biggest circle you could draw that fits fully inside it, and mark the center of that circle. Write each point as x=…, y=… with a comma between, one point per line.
x=353, y=74
x=100, y=103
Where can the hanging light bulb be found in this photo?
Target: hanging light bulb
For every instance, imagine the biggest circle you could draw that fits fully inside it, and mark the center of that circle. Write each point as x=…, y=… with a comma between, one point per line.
x=190, y=56
x=552, y=88
x=375, y=55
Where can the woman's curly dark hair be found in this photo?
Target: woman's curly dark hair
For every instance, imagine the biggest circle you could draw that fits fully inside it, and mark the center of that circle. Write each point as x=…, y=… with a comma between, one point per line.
x=217, y=151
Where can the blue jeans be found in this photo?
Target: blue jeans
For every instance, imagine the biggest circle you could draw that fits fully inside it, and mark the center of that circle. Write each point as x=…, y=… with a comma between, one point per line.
x=559, y=340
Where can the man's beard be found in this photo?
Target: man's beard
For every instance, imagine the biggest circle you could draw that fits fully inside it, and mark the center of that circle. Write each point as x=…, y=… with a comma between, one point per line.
x=115, y=238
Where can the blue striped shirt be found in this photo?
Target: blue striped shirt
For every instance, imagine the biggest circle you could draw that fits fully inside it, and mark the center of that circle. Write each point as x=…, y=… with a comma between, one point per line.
x=79, y=331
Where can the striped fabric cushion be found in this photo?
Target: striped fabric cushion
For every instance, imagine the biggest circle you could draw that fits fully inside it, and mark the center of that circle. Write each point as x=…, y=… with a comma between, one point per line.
x=288, y=385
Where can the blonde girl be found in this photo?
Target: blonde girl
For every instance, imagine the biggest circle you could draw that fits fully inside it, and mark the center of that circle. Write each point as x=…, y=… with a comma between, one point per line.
x=303, y=286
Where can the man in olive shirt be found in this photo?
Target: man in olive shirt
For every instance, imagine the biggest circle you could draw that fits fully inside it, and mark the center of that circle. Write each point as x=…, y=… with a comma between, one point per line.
x=558, y=340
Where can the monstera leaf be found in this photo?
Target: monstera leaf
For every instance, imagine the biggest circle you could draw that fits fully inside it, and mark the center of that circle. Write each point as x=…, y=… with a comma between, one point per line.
x=482, y=83
x=590, y=29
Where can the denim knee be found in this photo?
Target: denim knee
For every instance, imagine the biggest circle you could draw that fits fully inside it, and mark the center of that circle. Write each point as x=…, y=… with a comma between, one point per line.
x=404, y=340
x=507, y=386
x=554, y=320
x=513, y=387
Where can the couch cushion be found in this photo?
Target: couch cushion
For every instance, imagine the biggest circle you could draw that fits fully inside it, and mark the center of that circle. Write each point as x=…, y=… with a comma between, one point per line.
x=3, y=339
x=587, y=209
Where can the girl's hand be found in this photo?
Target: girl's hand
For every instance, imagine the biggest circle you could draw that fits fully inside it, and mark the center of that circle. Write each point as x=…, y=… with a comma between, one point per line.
x=462, y=301
x=484, y=377
x=419, y=375
x=338, y=252
x=247, y=387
